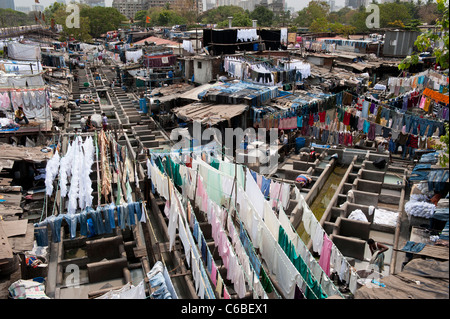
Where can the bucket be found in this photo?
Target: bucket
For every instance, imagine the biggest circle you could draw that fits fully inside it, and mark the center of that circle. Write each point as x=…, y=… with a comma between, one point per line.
x=143, y=105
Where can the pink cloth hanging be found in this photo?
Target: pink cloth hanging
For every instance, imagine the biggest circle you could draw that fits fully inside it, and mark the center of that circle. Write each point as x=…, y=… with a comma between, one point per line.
x=213, y=273
x=325, y=254
x=422, y=102
x=225, y=294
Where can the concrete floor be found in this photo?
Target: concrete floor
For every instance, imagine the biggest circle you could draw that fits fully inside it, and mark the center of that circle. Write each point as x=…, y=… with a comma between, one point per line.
x=82, y=291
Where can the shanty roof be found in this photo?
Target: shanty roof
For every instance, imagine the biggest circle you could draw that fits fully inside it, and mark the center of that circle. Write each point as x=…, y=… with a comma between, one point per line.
x=209, y=113
x=157, y=40
x=430, y=273
x=21, y=153
x=193, y=94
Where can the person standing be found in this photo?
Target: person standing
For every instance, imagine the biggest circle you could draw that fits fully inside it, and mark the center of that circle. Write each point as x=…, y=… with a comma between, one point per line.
x=104, y=122
x=377, y=251
x=170, y=76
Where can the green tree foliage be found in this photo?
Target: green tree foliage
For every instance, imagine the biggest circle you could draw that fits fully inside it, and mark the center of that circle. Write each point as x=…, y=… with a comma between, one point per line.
x=140, y=17
x=323, y=25
x=164, y=17
x=102, y=19
x=435, y=42
x=444, y=139
x=406, y=15
x=220, y=16
x=315, y=10
x=263, y=15
x=12, y=18
x=94, y=21
x=51, y=9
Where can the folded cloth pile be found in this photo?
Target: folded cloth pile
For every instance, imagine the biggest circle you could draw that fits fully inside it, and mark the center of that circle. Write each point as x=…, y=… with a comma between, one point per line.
x=419, y=208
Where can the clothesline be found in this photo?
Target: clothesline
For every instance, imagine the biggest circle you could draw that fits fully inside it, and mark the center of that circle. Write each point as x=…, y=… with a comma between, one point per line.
x=241, y=293
x=181, y=213
x=299, y=200
x=291, y=226
x=240, y=192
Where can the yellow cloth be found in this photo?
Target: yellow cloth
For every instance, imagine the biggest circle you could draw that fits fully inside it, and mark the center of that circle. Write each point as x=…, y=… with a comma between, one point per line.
x=19, y=114
x=427, y=105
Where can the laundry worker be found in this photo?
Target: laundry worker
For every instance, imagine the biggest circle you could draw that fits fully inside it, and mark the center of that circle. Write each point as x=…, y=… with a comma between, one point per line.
x=170, y=76
x=382, y=146
x=20, y=116
x=104, y=122
x=377, y=251
x=88, y=126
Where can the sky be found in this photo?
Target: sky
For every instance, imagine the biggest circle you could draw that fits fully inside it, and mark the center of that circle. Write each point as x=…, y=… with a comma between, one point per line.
x=296, y=4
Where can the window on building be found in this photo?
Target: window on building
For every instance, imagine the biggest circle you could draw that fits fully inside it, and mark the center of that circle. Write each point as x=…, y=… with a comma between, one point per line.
x=199, y=64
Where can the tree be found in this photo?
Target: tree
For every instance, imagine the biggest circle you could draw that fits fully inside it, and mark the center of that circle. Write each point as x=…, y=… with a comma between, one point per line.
x=428, y=13
x=82, y=33
x=239, y=20
x=395, y=11
x=140, y=17
x=51, y=9
x=188, y=10
x=102, y=19
x=320, y=25
x=436, y=42
x=12, y=18
x=220, y=16
x=443, y=146
x=315, y=10
x=263, y=15
x=164, y=17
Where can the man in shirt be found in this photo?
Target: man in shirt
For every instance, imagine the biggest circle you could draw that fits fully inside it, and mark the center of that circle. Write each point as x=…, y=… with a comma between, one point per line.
x=20, y=116
x=377, y=251
x=88, y=125
x=170, y=76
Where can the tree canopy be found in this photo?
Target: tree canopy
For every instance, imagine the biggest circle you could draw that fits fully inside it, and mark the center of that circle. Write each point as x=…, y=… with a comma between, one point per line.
x=12, y=18
x=220, y=16
x=263, y=15
x=94, y=21
x=435, y=42
x=102, y=19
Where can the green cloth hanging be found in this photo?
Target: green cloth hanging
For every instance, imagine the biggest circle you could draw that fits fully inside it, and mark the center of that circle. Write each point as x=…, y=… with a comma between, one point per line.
x=265, y=282
x=215, y=163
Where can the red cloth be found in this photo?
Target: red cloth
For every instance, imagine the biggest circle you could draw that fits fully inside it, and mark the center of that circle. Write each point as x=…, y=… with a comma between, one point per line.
x=322, y=116
x=311, y=119
x=346, y=118
x=413, y=141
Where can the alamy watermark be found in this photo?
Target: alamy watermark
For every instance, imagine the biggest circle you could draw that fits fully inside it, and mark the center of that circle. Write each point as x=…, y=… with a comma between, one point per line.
x=373, y=19
x=73, y=277
x=73, y=19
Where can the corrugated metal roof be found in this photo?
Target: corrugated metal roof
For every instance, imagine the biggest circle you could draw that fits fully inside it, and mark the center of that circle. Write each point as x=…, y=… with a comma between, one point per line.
x=157, y=40
x=209, y=113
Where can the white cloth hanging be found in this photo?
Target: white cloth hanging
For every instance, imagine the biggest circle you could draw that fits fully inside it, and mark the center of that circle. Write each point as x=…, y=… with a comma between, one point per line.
x=187, y=45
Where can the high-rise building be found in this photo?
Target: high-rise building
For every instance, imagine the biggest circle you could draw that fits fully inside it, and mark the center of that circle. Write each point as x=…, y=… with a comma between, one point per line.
x=277, y=6
x=7, y=4
x=94, y=3
x=37, y=7
x=355, y=4
x=210, y=4
x=248, y=4
x=332, y=4
x=23, y=9
x=129, y=7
